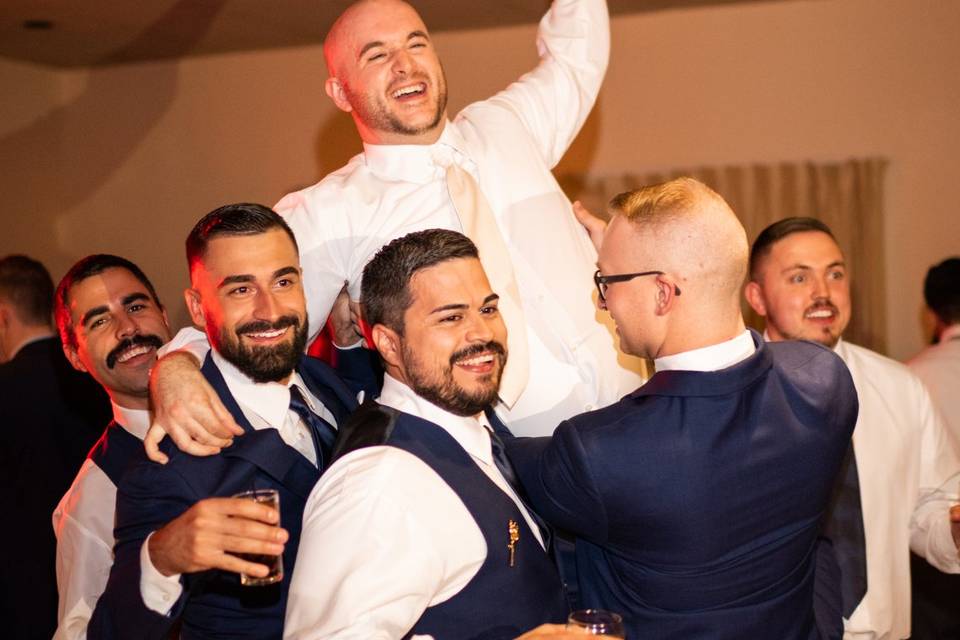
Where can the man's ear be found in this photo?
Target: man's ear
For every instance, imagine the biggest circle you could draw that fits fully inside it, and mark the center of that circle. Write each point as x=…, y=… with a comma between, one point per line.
x=195, y=307
x=754, y=295
x=338, y=94
x=387, y=343
x=666, y=293
x=71, y=353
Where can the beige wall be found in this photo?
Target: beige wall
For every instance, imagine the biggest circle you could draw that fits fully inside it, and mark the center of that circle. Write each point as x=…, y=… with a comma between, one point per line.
x=125, y=159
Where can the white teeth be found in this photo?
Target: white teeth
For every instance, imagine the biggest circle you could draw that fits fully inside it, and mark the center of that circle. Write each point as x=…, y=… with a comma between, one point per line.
x=470, y=362
x=133, y=353
x=408, y=90
x=268, y=334
x=823, y=313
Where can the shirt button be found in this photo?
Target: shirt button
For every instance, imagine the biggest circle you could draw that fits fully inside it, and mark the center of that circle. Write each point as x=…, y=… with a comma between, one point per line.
x=589, y=407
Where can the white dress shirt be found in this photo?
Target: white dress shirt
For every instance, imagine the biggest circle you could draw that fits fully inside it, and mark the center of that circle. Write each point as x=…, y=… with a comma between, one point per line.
x=265, y=405
x=908, y=468
x=710, y=358
x=938, y=366
x=384, y=537
x=83, y=523
x=510, y=143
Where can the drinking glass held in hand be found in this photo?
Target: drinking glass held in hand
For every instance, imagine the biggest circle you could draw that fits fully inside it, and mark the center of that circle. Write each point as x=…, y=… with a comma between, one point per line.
x=597, y=622
x=271, y=498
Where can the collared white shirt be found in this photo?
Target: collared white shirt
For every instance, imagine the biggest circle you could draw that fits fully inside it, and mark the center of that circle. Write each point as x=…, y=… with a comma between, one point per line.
x=265, y=405
x=510, y=143
x=83, y=523
x=710, y=358
x=908, y=469
x=384, y=537
x=938, y=366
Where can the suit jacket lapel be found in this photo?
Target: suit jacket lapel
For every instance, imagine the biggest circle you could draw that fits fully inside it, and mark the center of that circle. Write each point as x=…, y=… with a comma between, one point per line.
x=264, y=447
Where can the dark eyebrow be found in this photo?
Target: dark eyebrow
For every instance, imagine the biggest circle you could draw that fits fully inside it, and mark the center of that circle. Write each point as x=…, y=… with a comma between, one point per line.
x=96, y=311
x=459, y=307
x=133, y=297
x=235, y=279
x=379, y=43
x=491, y=298
x=284, y=271
x=836, y=263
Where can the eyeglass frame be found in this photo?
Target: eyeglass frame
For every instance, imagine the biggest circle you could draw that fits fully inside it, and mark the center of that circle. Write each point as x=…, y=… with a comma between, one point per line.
x=603, y=281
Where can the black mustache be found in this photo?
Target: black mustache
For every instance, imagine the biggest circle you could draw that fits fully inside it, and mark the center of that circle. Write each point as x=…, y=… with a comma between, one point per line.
x=148, y=340
x=259, y=326
x=477, y=349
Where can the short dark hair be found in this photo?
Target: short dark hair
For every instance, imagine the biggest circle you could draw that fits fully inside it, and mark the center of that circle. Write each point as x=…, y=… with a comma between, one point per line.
x=27, y=286
x=941, y=290
x=385, y=287
x=86, y=268
x=777, y=232
x=243, y=219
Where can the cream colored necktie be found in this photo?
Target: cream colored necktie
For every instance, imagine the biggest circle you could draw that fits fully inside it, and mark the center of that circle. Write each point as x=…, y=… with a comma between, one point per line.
x=479, y=225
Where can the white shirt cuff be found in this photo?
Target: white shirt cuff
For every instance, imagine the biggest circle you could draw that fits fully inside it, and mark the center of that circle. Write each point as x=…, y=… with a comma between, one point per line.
x=159, y=592
x=190, y=340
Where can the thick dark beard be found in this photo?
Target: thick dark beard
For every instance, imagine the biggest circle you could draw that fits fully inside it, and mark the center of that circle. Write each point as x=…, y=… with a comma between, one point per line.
x=445, y=392
x=264, y=364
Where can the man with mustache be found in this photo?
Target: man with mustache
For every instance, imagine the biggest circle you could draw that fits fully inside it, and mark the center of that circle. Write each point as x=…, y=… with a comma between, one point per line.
x=901, y=479
x=486, y=172
x=182, y=539
x=418, y=527
x=111, y=324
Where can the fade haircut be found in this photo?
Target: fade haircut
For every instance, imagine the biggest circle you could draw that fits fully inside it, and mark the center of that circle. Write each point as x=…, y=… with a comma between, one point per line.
x=385, y=287
x=659, y=203
x=777, y=232
x=941, y=290
x=27, y=286
x=86, y=268
x=243, y=219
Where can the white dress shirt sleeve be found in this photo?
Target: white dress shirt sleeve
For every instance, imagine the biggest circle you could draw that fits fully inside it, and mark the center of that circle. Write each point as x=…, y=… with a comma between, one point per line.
x=383, y=539
x=554, y=100
x=159, y=592
x=83, y=566
x=188, y=339
x=930, y=530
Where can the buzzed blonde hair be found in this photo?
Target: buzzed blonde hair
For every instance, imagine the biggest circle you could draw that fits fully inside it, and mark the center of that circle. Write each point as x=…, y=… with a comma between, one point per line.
x=664, y=201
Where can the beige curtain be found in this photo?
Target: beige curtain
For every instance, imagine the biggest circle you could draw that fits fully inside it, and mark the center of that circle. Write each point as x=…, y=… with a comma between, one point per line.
x=847, y=196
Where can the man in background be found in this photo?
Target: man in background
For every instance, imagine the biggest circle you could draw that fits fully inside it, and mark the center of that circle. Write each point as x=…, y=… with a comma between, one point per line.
x=50, y=416
x=935, y=613
x=902, y=475
x=111, y=324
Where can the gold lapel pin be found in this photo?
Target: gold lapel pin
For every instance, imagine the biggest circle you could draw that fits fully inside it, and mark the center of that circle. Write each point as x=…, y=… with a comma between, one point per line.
x=514, y=531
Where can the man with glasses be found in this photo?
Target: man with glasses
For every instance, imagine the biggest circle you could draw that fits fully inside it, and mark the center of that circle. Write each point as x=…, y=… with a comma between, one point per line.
x=697, y=499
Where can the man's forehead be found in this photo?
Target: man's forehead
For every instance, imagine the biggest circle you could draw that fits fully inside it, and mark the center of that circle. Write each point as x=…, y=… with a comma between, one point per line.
x=806, y=248
x=104, y=288
x=457, y=280
x=371, y=20
x=252, y=253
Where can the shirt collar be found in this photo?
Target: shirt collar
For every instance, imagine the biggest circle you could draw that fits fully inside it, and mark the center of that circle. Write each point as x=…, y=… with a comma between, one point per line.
x=269, y=400
x=711, y=358
x=136, y=421
x=419, y=163
x=469, y=432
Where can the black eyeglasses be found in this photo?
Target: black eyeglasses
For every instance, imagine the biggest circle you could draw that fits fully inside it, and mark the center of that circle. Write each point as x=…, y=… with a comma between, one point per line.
x=603, y=281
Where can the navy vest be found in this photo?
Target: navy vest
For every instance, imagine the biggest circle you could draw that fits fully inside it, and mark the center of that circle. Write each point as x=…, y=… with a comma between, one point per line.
x=500, y=601
x=116, y=449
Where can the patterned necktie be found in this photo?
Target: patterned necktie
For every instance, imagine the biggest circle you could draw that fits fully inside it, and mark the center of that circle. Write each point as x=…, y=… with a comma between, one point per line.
x=479, y=225
x=324, y=433
x=844, y=526
x=510, y=475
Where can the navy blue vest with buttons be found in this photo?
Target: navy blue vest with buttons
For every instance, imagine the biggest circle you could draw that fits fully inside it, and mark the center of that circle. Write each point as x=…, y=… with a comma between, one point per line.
x=501, y=601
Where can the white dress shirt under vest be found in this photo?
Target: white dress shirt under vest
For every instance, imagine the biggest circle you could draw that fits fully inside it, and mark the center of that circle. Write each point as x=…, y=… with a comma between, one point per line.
x=83, y=524
x=266, y=405
x=510, y=143
x=385, y=537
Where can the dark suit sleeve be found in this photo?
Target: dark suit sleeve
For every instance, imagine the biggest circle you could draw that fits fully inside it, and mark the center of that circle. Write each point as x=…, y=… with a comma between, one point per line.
x=150, y=495
x=557, y=476
x=360, y=369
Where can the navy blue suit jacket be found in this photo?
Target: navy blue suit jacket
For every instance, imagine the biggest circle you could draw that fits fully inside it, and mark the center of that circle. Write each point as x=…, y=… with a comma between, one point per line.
x=213, y=604
x=697, y=499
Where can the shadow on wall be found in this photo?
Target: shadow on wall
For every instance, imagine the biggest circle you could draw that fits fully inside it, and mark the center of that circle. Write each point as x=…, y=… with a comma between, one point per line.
x=85, y=142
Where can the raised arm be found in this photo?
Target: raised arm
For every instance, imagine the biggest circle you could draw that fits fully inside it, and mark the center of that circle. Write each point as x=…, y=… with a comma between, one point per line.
x=554, y=99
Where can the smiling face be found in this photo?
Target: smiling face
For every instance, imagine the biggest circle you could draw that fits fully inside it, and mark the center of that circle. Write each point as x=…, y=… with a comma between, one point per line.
x=802, y=289
x=452, y=351
x=386, y=73
x=118, y=328
x=248, y=297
